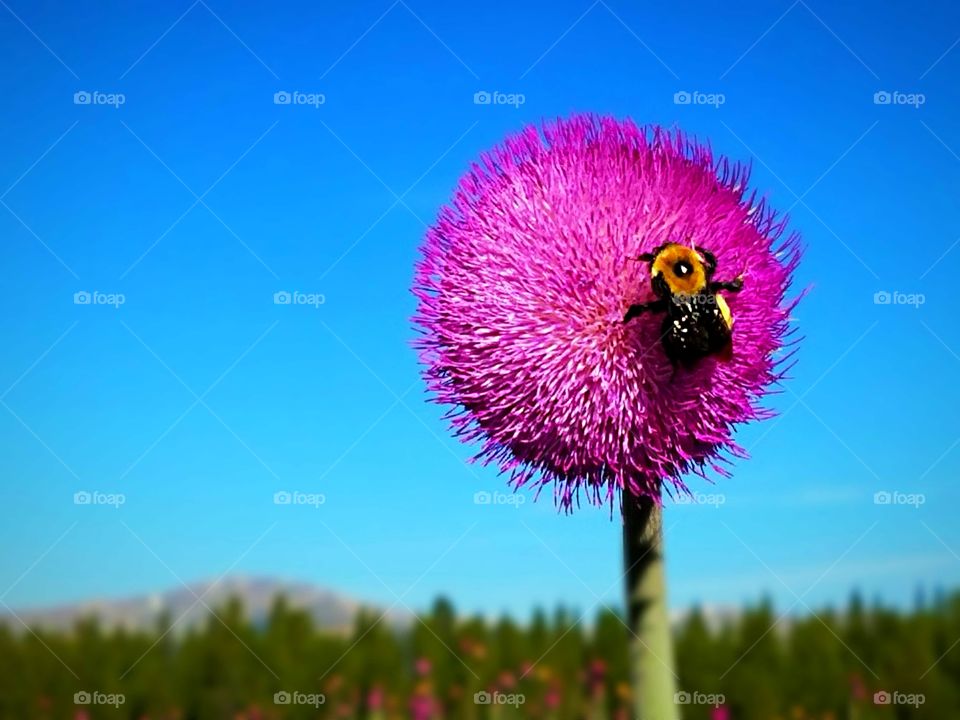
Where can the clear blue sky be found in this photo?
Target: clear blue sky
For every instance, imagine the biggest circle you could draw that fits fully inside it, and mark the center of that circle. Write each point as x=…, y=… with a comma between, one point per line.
x=331, y=199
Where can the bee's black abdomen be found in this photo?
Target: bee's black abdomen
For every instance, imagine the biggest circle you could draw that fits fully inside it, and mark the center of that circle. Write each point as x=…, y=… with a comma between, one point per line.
x=693, y=328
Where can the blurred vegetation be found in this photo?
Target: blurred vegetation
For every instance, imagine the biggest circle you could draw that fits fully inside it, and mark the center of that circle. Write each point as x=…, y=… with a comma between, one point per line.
x=825, y=667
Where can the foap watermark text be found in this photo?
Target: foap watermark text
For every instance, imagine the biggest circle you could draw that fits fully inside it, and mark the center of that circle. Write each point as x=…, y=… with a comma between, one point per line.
x=295, y=497
x=885, y=297
x=883, y=697
x=498, y=498
x=84, y=297
x=284, y=97
x=86, y=497
x=95, y=697
x=498, y=698
x=683, y=97
x=895, y=497
x=295, y=697
x=699, y=498
x=284, y=297
x=696, y=697
x=895, y=97
x=482, y=97
x=95, y=97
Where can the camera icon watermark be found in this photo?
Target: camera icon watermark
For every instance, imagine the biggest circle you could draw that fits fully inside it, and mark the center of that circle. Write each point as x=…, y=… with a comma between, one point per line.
x=95, y=97
x=498, y=698
x=86, y=497
x=84, y=297
x=284, y=97
x=895, y=97
x=884, y=297
x=482, y=97
x=914, y=500
x=683, y=97
x=84, y=697
x=284, y=297
x=295, y=497
x=295, y=697
x=484, y=497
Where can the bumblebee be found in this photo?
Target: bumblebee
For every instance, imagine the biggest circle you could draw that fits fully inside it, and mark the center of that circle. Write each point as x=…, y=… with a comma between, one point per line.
x=698, y=322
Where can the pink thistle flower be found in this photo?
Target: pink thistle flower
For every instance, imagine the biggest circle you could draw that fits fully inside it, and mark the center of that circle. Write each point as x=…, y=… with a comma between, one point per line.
x=721, y=712
x=596, y=676
x=422, y=666
x=423, y=704
x=375, y=698
x=858, y=690
x=523, y=285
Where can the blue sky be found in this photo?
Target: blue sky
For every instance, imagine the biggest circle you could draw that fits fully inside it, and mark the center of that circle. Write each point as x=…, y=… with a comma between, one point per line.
x=199, y=197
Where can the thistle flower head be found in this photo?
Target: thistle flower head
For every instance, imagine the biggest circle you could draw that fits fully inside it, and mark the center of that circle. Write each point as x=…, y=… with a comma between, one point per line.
x=523, y=285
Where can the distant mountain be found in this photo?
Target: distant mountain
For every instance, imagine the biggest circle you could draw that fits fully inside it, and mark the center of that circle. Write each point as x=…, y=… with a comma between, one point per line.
x=329, y=610
x=715, y=617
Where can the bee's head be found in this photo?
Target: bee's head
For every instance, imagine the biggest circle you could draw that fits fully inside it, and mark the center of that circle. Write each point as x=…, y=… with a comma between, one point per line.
x=678, y=270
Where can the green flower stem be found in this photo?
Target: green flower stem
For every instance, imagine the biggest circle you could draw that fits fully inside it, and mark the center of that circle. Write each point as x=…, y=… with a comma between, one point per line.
x=651, y=649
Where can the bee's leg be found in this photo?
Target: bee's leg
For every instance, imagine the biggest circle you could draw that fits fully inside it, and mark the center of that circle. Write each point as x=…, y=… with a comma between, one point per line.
x=735, y=285
x=635, y=311
x=640, y=308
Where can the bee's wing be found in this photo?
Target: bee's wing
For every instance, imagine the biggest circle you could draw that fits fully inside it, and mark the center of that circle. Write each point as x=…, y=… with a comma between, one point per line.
x=727, y=351
x=724, y=311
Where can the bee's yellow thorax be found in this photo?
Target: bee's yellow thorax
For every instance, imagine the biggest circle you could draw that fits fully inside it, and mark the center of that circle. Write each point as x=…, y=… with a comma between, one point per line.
x=667, y=259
